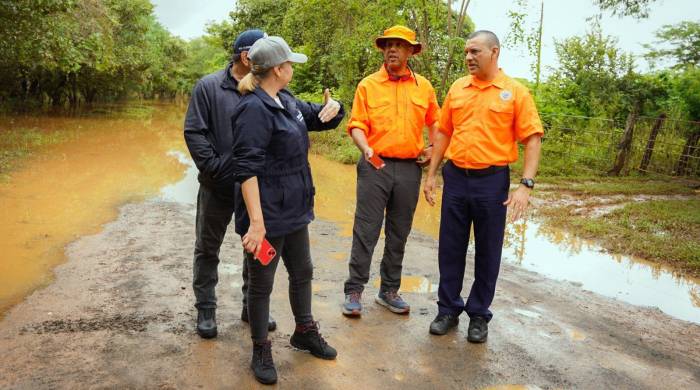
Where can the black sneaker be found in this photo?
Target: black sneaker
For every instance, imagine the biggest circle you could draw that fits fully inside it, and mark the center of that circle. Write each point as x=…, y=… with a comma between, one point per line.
x=478, y=330
x=206, y=323
x=271, y=323
x=443, y=323
x=307, y=338
x=262, y=364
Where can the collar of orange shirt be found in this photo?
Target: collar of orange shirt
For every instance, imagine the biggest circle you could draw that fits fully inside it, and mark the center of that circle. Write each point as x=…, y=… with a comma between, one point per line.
x=382, y=75
x=498, y=81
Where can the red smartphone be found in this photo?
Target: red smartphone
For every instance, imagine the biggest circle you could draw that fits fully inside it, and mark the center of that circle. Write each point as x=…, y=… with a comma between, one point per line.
x=266, y=253
x=377, y=161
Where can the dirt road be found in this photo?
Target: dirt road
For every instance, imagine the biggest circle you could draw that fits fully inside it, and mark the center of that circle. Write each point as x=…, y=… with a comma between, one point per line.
x=119, y=315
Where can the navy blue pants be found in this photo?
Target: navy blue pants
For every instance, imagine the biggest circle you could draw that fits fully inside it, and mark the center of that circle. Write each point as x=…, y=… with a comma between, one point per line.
x=466, y=201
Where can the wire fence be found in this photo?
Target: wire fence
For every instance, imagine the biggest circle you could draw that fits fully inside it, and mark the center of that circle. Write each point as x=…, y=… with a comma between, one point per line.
x=575, y=144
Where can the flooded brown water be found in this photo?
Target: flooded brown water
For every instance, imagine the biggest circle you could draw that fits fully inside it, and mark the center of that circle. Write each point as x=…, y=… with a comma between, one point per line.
x=71, y=189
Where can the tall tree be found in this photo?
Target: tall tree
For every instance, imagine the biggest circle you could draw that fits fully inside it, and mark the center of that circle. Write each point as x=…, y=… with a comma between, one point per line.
x=526, y=33
x=634, y=8
x=589, y=77
x=678, y=43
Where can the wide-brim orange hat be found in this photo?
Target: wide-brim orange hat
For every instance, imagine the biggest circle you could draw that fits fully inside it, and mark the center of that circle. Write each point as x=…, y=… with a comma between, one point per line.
x=399, y=32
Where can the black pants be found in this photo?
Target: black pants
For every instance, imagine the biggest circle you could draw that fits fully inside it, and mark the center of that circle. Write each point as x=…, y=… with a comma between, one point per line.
x=214, y=212
x=393, y=189
x=471, y=201
x=295, y=252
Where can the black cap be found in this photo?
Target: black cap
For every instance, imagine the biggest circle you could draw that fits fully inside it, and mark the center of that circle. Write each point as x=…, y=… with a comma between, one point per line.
x=246, y=39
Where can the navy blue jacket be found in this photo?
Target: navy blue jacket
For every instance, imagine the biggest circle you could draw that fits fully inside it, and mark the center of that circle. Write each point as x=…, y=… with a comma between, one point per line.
x=208, y=128
x=272, y=143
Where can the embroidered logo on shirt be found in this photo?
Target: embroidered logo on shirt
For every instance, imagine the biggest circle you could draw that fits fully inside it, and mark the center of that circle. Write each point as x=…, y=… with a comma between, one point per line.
x=506, y=95
x=300, y=117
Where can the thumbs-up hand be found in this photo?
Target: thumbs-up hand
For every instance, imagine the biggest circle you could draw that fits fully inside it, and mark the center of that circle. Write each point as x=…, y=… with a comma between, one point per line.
x=330, y=107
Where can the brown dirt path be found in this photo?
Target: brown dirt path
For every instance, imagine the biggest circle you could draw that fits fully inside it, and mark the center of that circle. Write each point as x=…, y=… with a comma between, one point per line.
x=120, y=315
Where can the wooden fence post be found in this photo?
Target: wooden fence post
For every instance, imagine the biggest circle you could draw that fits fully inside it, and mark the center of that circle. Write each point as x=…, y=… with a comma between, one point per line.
x=646, y=159
x=689, y=150
x=626, y=143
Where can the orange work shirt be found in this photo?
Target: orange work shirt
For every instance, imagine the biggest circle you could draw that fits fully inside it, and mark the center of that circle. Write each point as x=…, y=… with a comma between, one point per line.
x=485, y=119
x=393, y=113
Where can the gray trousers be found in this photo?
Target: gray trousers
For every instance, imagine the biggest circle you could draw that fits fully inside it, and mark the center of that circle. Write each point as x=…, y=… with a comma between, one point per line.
x=392, y=190
x=214, y=212
x=294, y=250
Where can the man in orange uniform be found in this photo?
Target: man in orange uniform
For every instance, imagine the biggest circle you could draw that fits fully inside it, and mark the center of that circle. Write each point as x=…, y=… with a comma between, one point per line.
x=390, y=110
x=483, y=117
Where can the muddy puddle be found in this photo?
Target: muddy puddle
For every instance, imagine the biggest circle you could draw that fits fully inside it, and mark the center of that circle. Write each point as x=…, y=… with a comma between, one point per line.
x=117, y=155
x=71, y=189
x=560, y=255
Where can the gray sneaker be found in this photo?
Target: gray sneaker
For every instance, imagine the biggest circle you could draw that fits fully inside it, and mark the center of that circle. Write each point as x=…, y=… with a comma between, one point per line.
x=392, y=301
x=352, y=307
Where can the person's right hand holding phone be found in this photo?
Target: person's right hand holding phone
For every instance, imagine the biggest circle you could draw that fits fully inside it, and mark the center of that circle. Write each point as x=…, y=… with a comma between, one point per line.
x=254, y=237
x=373, y=159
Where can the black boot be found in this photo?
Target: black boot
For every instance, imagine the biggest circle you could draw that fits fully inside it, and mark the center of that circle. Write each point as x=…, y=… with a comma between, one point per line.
x=271, y=324
x=478, y=330
x=206, y=323
x=307, y=338
x=262, y=365
x=443, y=323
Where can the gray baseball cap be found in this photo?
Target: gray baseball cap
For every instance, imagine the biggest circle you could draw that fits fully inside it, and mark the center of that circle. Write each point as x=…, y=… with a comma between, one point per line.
x=267, y=52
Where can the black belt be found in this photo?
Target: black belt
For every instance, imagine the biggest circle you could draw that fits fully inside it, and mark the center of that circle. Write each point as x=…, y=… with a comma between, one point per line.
x=398, y=159
x=481, y=172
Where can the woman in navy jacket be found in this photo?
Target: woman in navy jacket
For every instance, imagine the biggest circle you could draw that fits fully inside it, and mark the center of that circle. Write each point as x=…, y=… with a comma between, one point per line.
x=270, y=153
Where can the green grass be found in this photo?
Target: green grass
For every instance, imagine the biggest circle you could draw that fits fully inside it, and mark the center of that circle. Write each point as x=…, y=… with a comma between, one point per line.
x=335, y=144
x=18, y=144
x=666, y=231
x=630, y=185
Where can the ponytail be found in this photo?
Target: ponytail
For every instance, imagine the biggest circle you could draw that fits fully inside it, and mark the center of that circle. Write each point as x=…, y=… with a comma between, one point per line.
x=252, y=79
x=248, y=84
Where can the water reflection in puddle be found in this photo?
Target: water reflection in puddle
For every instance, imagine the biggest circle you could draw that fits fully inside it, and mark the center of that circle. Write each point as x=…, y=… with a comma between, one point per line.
x=560, y=255
x=184, y=191
x=340, y=256
x=576, y=335
x=414, y=284
x=527, y=313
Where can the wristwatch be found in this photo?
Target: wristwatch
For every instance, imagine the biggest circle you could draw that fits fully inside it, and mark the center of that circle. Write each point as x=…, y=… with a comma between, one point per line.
x=529, y=183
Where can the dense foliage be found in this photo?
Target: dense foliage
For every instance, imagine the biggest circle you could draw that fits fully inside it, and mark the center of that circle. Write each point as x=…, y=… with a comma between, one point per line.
x=65, y=52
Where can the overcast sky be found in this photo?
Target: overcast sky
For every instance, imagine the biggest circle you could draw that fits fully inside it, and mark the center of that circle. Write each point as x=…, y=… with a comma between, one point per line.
x=562, y=19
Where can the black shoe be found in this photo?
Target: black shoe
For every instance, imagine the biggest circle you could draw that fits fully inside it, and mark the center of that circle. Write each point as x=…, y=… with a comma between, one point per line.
x=206, y=323
x=271, y=324
x=262, y=365
x=307, y=338
x=443, y=323
x=478, y=330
